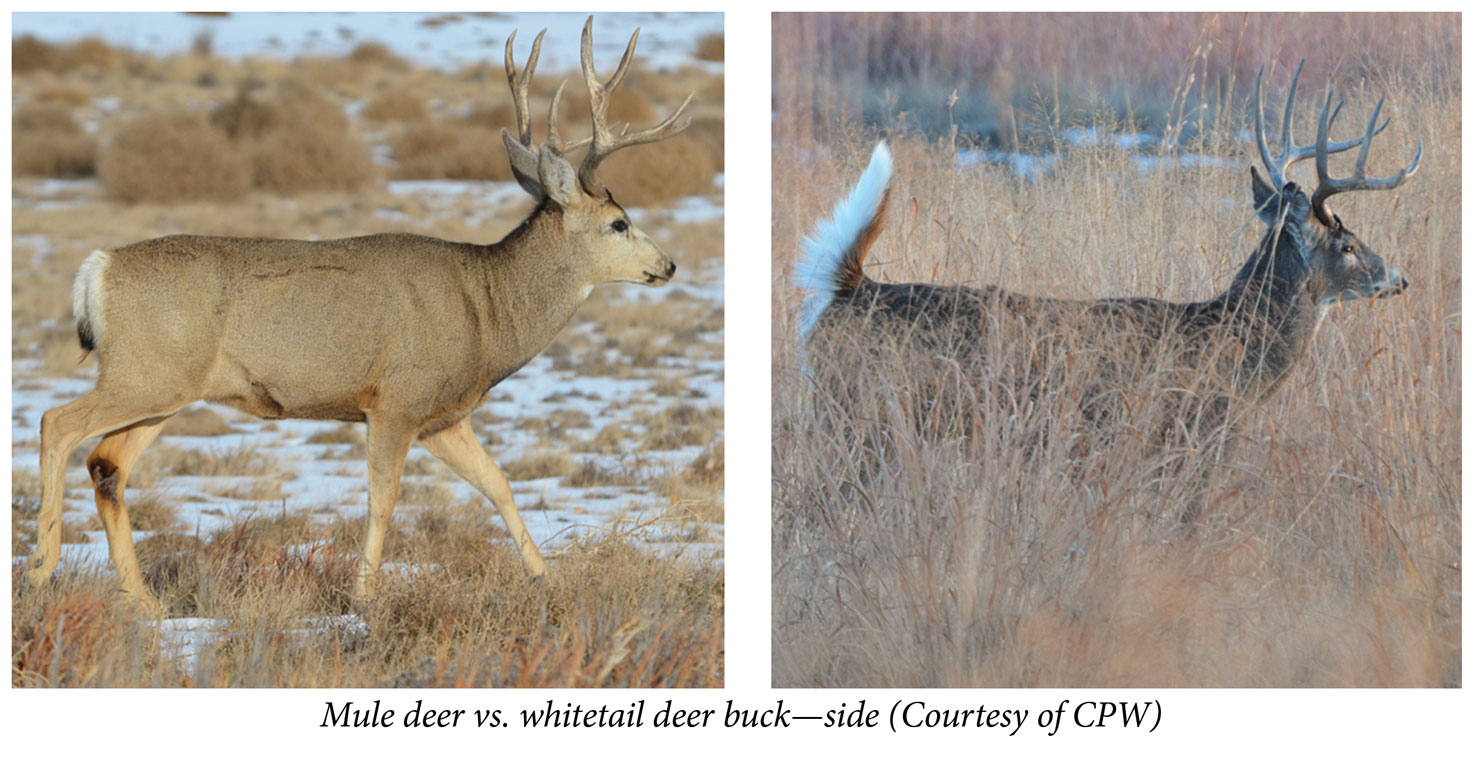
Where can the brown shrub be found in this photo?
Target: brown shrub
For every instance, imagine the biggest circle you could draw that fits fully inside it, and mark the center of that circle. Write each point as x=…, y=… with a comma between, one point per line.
x=94, y=54
x=450, y=150
x=294, y=105
x=65, y=641
x=655, y=173
x=296, y=141
x=29, y=54
x=62, y=94
x=46, y=142
x=396, y=106
x=710, y=48
x=173, y=157
x=290, y=161
x=43, y=117
x=500, y=115
x=378, y=54
x=245, y=117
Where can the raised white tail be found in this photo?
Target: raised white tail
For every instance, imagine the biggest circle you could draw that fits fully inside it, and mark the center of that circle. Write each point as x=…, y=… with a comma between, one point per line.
x=832, y=257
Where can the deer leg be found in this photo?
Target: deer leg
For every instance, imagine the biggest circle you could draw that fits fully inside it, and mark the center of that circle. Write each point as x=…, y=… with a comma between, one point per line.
x=388, y=444
x=458, y=447
x=62, y=429
x=109, y=467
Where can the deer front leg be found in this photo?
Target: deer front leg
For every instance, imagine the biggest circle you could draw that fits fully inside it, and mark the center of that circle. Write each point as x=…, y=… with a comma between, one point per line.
x=109, y=467
x=388, y=444
x=459, y=448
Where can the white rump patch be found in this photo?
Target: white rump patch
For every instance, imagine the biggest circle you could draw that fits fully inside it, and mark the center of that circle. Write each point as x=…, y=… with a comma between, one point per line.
x=87, y=294
x=822, y=252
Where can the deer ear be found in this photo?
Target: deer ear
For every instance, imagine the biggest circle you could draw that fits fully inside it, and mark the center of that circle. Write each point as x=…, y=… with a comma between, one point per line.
x=525, y=164
x=1266, y=201
x=557, y=177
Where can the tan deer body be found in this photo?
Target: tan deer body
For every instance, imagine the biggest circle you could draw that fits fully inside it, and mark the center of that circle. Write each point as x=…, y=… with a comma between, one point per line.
x=1176, y=366
x=404, y=332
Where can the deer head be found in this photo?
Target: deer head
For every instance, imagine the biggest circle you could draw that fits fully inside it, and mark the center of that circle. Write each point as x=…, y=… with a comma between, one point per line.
x=618, y=250
x=1339, y=265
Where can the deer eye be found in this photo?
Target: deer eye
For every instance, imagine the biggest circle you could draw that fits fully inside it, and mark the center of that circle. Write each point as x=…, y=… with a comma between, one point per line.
x=1348, y=249
x=619, y=226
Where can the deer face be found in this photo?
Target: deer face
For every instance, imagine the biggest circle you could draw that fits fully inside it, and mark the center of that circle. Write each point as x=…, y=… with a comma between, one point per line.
x=621, y=251
x=596, y=226
x=1344, y=268
x=1336, y=264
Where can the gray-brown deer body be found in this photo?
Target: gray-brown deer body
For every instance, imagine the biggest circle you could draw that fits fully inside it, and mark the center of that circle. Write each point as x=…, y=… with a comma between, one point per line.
x=1179, y=365
x=404, y=332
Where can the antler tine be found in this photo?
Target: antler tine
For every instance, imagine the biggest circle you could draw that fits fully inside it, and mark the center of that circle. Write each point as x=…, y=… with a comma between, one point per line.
x=1320, y=145
x=1290, y=153
x=1286, y=140
x=1358, y=180
x=604, y=141
x=519, y=85
x=564, y=146
x=1276, y=176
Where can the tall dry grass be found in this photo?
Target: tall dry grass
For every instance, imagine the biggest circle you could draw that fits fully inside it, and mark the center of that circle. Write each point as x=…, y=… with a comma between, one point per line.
x=612, y=614
x=952, y=548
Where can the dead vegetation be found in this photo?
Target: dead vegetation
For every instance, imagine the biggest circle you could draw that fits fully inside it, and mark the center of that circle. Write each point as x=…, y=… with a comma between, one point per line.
x=46, y=141
x=615, y=616
x=173, y=157
x=287, y=124
x=926, y=537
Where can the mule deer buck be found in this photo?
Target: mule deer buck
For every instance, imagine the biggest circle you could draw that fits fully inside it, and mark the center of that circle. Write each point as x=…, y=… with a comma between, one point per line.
x=403, y=332
x=1191, y=360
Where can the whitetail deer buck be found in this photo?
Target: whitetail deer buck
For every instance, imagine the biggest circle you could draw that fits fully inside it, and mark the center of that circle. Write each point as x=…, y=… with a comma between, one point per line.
x=404, y=332
x=1236, y=348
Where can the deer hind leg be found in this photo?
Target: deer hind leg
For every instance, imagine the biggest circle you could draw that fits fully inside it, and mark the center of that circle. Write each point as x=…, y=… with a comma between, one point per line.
x=388, y=443
x=62, y=430
x=459, y=448
x=109, y=466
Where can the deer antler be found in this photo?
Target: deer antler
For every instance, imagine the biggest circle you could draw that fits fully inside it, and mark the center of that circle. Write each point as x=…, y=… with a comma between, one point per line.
x=604, y=141
x=519, y=85
x=1289, y=154
x=524, y=159
x=1358, y=180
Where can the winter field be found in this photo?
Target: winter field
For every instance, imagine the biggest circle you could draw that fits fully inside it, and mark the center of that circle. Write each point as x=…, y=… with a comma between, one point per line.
x=319, y=126
x=1070, y=157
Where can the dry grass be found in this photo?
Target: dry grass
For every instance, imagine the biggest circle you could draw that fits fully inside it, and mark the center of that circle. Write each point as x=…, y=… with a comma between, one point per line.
x=46, y=141
x=173, y=157
x=610, y=615
x=710, y=48
x=396, y=106
x=377, y=54
x=645, y=176
x=298, y=141
x=973, y=550
x=538, y=466
x=682, y=425
x=89, y=56
x=450, y=150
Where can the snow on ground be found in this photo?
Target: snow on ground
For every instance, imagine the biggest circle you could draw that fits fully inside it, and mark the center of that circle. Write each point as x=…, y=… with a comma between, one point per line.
x=443, y=40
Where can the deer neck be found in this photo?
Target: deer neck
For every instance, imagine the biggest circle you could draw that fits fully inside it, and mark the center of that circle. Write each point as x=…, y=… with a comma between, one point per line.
x=1272, y=311
x=535, y=281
